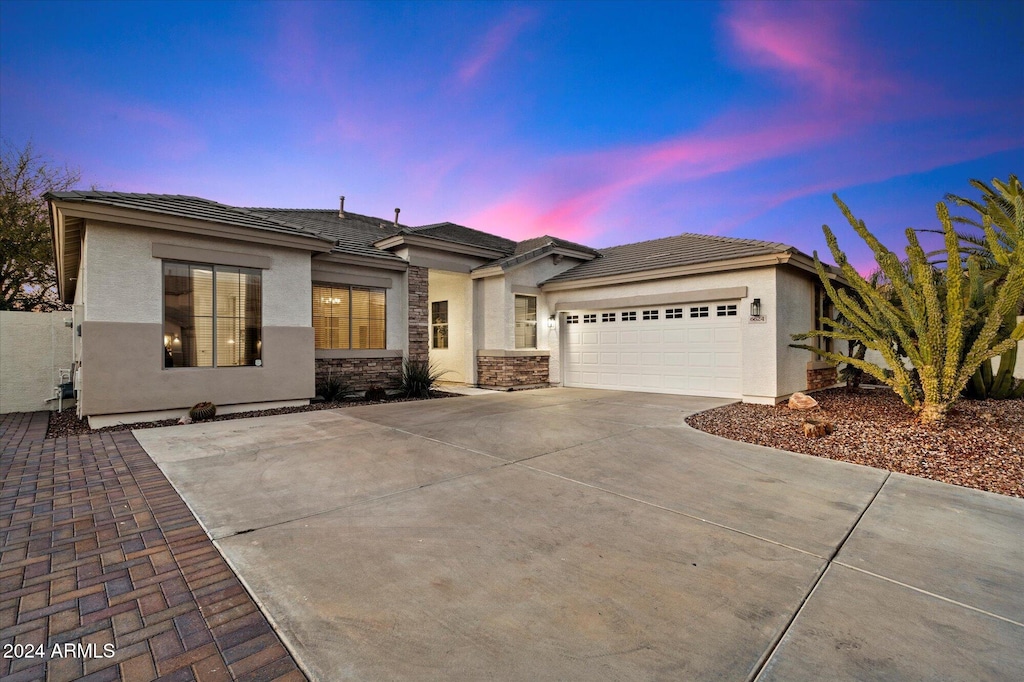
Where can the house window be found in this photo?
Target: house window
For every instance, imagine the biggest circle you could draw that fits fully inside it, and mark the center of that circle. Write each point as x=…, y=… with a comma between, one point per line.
x=212, y=315
x=674, y=314
x=526, y=321
x=572, y=319
x=629, y=316
x=726, y=311
x=439, y=324
x=607, y=317
x=590, y=319
x=650, y=314
x=348, y=317
x=699, y=311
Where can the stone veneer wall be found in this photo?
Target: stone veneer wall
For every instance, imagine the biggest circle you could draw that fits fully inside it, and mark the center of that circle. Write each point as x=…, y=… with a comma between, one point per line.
x=512, y=372
x=360, y=373
x=419, y=314
x=819, y=376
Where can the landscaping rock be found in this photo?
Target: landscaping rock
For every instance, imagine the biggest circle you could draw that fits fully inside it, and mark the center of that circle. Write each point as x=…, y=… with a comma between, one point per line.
x=802, y=401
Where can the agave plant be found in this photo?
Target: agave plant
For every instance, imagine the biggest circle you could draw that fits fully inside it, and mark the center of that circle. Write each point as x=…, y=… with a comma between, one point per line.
x=418, y=377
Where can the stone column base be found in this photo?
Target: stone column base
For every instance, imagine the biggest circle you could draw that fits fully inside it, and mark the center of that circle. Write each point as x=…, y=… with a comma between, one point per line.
x=513, y=370
x=821, y=375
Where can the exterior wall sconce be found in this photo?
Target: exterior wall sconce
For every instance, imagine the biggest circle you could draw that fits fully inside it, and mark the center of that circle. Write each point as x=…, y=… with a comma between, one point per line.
x=756, y=312
x=552, y=321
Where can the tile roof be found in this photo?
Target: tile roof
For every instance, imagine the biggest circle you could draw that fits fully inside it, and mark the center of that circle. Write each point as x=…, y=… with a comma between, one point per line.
x=354, y=234
x=186, y=207
x=528, y=249
x=460, y=234
x=683, y=249
x=537, y=242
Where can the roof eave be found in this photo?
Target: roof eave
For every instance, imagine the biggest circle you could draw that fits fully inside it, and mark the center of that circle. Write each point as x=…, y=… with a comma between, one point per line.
x=367, y=261
x=165, y=221
x=397, y=240
x=745, y=263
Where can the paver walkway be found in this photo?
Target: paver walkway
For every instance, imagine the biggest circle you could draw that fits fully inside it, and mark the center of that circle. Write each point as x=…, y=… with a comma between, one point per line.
x=102, y=564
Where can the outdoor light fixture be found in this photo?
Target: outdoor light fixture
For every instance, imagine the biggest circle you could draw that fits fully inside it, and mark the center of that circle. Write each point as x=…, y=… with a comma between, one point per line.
x=755, y=308
x=552, y=321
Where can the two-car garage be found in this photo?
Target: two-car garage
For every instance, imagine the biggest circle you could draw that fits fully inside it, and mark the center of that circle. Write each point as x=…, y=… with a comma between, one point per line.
x=691, y=348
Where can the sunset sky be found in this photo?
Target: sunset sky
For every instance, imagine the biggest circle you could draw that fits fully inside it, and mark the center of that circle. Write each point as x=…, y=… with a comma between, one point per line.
x=603, y=123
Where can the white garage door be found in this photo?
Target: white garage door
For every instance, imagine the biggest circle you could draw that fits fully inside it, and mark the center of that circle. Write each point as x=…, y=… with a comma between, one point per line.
x=691, y=349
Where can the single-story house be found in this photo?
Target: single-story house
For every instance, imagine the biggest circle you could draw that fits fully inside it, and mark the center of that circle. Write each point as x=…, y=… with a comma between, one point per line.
x=178, y=299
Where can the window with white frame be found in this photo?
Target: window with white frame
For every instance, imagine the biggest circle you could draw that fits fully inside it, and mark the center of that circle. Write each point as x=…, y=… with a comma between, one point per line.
x=572, y=319
x=673, y=313
x=699, y=311
x=607, y=317
x=650, y=314
x=526, y=321
x=629, y=316
x=726, y=310
x=590, y=318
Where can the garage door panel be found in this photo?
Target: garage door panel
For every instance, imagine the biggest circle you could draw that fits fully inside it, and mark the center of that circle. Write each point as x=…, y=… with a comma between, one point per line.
x=699, y=335
x=727, y=335
x=650, y=359
x=698, y=356
x=674, y=359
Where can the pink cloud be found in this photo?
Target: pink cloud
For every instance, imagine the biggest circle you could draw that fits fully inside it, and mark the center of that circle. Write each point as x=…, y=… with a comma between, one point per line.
x=808, y=42
x=834, y=93
x=495, y=42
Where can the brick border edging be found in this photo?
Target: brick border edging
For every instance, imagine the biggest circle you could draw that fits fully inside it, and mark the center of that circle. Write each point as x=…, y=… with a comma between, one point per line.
x=212, y=582
x=98, y=548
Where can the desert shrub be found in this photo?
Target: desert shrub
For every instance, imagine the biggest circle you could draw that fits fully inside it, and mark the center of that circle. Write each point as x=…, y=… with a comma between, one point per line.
x=418, y=377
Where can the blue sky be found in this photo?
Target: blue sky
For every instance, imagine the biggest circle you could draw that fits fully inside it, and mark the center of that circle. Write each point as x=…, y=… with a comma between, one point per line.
x=605, y=123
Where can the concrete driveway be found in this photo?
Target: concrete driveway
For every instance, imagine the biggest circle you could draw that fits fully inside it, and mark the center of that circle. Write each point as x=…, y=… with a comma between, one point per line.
x=591, y=535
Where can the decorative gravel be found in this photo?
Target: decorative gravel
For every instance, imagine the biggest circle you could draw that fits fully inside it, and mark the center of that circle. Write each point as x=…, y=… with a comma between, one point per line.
x=63, y=424
x=980, y=445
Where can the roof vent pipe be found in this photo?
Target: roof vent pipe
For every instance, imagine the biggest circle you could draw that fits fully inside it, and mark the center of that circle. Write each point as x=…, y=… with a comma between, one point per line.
x=397, y=211
x=341, y=207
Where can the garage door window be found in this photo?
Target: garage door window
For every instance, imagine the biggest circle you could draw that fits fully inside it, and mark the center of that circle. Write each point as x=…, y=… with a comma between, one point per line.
x=607, y=317
x=526, y=321
x=650, y=314
x=674, y=314
x=699, y=311
x=629, y=316
x=590, y=319
x=572, y=319
x=726, y=311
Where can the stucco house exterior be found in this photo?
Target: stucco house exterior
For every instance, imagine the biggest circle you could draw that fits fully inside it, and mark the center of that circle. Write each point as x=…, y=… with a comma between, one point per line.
x=179, y=299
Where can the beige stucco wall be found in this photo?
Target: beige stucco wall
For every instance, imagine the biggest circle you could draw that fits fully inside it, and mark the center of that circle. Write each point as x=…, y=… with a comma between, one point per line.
x=124, y=282
x=794, y=314
x=760, y=378
x=122, y=373
x=496, y=299
x=457, y=361
x=33, y=347
x=122, y=318
x=493, y=323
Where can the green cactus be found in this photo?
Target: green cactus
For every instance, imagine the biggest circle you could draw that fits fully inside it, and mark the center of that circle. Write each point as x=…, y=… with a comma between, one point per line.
x=946, y=323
